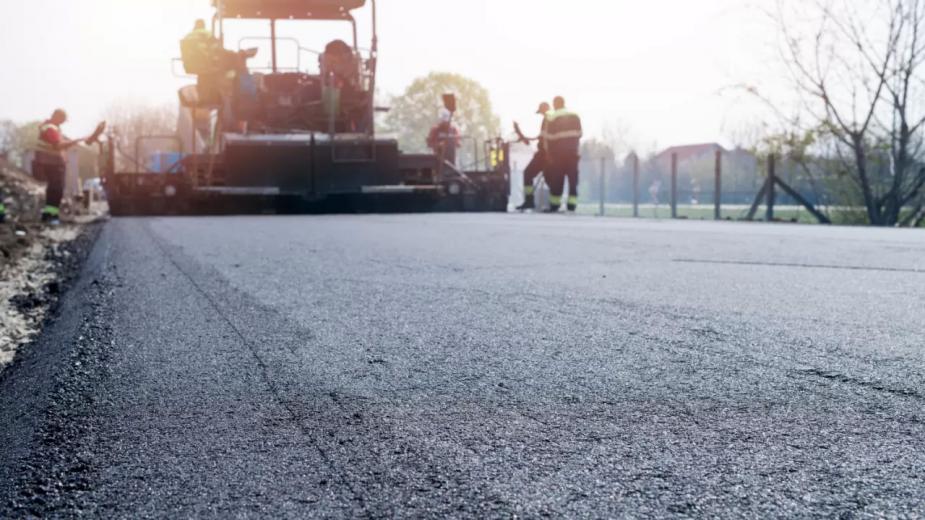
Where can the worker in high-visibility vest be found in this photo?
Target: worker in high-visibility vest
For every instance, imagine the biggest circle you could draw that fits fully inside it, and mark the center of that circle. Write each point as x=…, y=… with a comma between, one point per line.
x=49, y=164
x=215, y=67
x=444, y=138
x=203, y=55
x=537, y=164
x=200, y=50
x=563, y=143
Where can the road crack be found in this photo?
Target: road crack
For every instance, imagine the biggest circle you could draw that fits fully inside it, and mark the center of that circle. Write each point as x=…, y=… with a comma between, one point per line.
x=853, y=381
x=265, y=375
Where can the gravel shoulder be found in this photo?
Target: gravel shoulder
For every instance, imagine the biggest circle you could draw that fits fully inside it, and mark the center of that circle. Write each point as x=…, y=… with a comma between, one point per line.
x=39, y=262
x=44, y=302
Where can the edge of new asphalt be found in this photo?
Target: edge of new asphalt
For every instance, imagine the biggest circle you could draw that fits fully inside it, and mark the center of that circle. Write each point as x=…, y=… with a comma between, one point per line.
x=44, y=387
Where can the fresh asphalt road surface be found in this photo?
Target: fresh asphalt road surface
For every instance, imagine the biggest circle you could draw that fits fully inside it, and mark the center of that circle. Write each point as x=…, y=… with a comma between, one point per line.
x=479, y=366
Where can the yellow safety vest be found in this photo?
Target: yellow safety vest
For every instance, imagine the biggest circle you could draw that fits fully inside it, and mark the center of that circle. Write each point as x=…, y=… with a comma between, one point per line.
x=203, y=37
x=199, y=52
x=562, y=134
x=497, y=156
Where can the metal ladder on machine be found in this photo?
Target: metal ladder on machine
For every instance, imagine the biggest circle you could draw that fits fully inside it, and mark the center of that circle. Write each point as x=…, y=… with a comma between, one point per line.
x=191, y=103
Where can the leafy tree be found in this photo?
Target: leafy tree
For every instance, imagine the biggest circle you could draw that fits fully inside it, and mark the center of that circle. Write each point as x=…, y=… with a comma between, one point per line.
x=414, y=113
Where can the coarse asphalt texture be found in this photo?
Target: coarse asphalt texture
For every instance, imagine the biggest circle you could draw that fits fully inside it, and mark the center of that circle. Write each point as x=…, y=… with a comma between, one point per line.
x=475, y=366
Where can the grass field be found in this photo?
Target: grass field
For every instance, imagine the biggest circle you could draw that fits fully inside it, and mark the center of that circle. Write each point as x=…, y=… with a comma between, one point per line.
x=782, y=213
x=698, y=212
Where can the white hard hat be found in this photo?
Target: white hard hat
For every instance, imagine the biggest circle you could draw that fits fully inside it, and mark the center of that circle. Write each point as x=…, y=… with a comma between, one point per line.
x=444, y=115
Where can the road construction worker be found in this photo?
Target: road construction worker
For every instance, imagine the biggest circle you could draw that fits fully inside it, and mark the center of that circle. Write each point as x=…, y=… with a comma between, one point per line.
x=537, y=163
x=214, y=66
x=338, y=64
x=563, y=142
x=201, y=53
x=49, y=164
x=200, y=50
x=444, y=138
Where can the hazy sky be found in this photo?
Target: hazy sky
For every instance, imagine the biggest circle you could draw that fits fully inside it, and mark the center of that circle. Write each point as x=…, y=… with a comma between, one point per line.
x=654, y=70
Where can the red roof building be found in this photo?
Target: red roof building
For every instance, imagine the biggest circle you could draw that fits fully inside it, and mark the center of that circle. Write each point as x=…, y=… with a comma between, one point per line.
x=690, y=151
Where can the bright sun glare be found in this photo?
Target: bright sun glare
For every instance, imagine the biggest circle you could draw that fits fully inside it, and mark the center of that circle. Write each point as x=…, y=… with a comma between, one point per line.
x=624, y=64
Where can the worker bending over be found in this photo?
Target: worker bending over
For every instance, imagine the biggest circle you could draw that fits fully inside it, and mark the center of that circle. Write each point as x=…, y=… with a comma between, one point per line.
x=444, y=138
x=537, y=163
x=49, y=164
x=563, y=142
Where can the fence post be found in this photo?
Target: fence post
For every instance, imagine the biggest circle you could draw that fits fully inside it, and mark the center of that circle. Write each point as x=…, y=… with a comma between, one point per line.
x=603, y=185
x=635, y=185
x=674, y=185
x=718, y=187
x=772, y=182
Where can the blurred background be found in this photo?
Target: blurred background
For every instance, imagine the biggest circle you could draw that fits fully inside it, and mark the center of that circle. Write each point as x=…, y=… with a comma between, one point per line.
x=813, y=82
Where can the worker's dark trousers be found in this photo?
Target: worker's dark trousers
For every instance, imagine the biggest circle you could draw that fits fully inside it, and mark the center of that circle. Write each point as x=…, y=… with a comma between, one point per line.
x=534, y=169
x=560, y=169
x=53, y=175
x=208, y=89
x=571, y=173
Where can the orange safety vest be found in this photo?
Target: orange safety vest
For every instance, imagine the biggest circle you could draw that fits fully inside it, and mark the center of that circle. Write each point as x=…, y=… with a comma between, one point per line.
x=46, y=150
x=43, y=145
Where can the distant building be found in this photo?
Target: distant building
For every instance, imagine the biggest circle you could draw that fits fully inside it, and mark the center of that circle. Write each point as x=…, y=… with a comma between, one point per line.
x=696, y=167
x=689, y=152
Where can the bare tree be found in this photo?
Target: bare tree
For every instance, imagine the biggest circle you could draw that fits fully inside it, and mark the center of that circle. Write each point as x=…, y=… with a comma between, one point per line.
x=133, y=123
x=16, y=140
x=859, y=71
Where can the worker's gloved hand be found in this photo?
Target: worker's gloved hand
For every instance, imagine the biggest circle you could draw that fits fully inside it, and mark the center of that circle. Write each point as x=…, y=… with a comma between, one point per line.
x=97, y=133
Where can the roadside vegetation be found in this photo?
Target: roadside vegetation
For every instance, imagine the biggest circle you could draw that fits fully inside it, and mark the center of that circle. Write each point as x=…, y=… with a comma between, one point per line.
x=412, y=114
x=858, y=70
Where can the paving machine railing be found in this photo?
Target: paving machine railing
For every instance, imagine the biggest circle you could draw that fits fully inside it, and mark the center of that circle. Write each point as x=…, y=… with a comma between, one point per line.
x=299, y=140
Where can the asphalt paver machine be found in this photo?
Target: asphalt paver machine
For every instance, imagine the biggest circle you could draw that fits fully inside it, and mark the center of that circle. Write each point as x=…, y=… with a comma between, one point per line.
x=299, y=138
